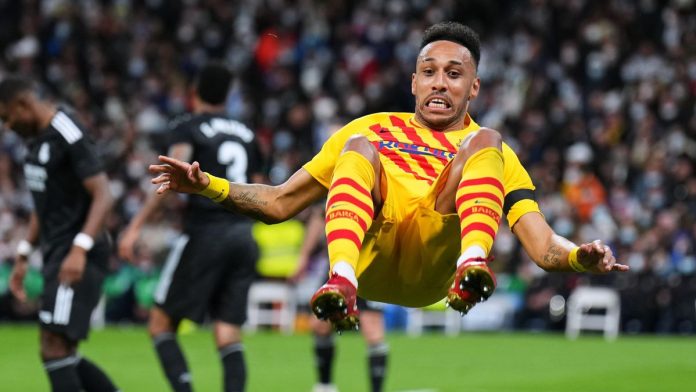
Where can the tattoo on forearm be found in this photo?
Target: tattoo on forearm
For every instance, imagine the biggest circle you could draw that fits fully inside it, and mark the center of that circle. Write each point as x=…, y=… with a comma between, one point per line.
x=248, y=199
x=552, y=258
x=249, y=204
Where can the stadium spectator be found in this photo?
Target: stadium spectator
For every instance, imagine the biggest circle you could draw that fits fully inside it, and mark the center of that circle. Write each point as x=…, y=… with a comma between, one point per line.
x=376, y=168
x=72, y=200
x=205, y=274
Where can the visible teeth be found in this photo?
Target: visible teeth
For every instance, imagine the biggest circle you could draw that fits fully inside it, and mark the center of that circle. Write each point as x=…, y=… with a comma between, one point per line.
x=438, y=103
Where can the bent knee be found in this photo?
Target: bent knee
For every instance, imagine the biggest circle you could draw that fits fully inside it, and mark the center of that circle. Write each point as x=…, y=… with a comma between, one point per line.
x=483, y=138
x=361, y=145
x=55, y=346
x=160, y=323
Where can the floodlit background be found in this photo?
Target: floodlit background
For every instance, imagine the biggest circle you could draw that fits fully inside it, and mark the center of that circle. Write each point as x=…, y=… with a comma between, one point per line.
x=598, y=99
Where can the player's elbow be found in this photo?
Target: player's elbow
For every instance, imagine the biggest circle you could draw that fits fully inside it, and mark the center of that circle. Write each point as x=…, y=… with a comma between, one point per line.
x=271, y=219
x=275, y=212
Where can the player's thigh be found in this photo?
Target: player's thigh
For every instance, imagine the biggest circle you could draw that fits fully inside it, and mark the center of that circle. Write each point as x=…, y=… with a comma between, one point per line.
x=188, y=278
x=67, y=309
x=229, y=300
x=371, y=320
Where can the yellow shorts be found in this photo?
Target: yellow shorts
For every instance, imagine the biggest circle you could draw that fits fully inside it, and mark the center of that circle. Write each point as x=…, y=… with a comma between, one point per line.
x=409, y=253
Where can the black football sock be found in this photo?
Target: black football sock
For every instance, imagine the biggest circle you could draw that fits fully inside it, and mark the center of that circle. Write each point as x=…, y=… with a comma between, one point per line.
x=62, y=374
x=233, y=367
x=93, y=379
x=377, y=363
x=173, y=362
x=324, y=348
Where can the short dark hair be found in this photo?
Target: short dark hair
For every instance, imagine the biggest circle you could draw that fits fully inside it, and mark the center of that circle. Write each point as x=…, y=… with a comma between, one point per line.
x=213, y=83
x=455, y=32
x=12, y=86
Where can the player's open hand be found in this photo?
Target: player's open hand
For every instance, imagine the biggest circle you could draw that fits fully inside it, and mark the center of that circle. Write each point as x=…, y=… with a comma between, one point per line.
x=73, y=266
x=19, y=271
x=126, y=245
x=175, y=175
x=598, y=258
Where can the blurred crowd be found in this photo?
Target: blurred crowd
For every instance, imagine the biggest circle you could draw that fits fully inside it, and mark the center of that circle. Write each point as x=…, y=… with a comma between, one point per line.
x=598, y=99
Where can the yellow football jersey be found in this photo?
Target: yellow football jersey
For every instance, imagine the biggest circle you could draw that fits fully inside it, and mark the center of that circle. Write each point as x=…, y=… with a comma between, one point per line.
x=409, y=253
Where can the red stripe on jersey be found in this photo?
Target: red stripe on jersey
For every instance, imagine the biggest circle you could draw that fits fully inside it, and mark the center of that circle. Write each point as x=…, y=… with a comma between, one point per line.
x=348, y=198
x=483, y=181
x=413, y=136
x=473, y=195
x=345, y=214
x=478, y=226
x=344, y=235
x=479, y=209
x=351, y=183
x=440, y=137
x=393, y=155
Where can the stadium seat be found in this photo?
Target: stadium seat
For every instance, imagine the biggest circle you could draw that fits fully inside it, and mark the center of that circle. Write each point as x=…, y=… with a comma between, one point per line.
x=98, y=318
x=581, y=300
x=494, y=314
x=435, y=315
x=272, y=301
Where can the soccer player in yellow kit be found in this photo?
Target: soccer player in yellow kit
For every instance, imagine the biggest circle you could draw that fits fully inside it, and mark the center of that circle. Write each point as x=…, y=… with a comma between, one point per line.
x=414, y=199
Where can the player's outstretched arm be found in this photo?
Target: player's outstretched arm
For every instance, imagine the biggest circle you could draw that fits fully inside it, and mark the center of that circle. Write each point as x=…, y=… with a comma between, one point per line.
x=553, y=252
x=269, y=204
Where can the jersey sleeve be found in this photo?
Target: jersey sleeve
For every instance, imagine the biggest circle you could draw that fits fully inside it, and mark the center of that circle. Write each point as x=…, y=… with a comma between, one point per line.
x=519, y=189
x=84, y=158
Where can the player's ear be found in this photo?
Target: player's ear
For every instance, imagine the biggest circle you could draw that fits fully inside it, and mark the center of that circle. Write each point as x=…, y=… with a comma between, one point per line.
x=474, y=91
x=413, y=83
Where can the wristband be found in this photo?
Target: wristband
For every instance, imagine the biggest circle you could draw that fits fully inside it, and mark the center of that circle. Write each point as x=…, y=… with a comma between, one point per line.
x=217, y=190
x=24, y=248
x=84, y=241
x=573, y=260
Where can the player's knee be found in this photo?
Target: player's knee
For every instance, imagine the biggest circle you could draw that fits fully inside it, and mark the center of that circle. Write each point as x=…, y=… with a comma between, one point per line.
x=483, y=138
x=226, y=334
x=372, y=327
x=55, y=346
x=360, y=144
x=159, y=323
x=321, y=328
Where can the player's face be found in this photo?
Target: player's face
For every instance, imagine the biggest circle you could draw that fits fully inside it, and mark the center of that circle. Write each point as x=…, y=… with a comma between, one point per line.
x=18, y=116
x=443, y=84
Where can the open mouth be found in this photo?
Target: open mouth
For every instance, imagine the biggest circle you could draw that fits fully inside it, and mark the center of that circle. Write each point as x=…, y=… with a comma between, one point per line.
x=437, y=103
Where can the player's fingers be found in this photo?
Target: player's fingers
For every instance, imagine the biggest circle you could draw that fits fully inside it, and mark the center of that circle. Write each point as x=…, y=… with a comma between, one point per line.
x=162, y=178
x=17, y=289
x=597, y=246
x=620, y=267
x=125, y=251
x=159, y=168
x=163, y=188
x=172, y=161
x=586, y=248
x=194, y=171
x=608, y=259
x=20, y=294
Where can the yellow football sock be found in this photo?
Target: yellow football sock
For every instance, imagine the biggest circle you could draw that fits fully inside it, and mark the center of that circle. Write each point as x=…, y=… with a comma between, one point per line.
x=349, y=209
x=480, y=197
